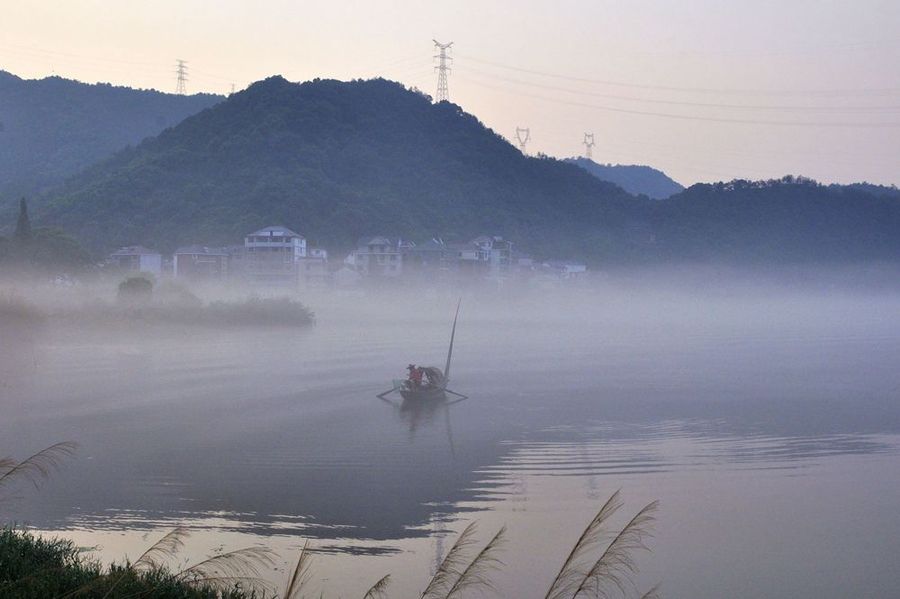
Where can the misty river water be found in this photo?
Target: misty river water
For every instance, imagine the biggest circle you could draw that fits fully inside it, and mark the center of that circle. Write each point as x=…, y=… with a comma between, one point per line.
x=767, y=424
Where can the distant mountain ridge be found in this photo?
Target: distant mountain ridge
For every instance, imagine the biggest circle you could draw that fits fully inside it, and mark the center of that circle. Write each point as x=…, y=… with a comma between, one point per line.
x=52, y=128
x=633, y=178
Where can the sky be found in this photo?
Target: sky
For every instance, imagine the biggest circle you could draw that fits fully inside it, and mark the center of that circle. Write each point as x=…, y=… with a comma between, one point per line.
x=705, y=90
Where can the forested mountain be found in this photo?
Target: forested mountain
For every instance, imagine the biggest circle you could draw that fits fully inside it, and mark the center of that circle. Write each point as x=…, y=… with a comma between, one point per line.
x=336, y=161
x=52, y=128
x=340, y=160
x=633, y=178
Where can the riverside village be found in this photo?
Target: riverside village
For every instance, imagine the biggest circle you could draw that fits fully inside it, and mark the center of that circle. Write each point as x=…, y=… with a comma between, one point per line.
x=278, y=257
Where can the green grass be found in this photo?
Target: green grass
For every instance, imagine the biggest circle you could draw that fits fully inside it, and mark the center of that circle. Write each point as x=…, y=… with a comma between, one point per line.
x=33, y=567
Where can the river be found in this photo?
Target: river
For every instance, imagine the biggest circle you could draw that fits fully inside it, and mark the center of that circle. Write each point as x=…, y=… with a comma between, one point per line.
x=766, y=424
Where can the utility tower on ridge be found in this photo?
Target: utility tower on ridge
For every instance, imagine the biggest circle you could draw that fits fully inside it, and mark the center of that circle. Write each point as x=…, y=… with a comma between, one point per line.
x=181, y=71
x=524, y=136
x=443, y=69
x=588, y=146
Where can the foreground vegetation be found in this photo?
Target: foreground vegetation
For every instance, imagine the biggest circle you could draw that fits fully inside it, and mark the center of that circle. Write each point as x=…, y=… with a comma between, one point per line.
x=601, y=563
x=32, y=567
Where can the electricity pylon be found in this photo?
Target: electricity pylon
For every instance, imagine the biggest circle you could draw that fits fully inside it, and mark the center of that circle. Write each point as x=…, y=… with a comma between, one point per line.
x=524, y=136
x=181, y=70
x=443, y=69
x=588, y=145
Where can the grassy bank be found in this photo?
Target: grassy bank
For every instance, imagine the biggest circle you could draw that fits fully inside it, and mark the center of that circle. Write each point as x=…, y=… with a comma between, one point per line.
x=32, y=567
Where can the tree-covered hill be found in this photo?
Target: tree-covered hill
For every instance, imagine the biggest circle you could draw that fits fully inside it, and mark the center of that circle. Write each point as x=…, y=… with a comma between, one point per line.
x=52, y=128
x=336, y=161
x=633, y=178
x=341, y=160
x=790, y=220
x=887, y=191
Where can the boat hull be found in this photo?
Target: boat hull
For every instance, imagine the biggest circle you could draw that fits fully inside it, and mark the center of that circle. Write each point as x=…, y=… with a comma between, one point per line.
x=422, y=394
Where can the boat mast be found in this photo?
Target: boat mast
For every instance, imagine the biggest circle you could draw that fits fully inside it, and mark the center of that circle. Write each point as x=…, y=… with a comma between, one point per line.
x=450, y=352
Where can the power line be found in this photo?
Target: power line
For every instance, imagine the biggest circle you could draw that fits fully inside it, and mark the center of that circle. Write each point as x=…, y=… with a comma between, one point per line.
x=765, y=107
x=443, y=92
x=854, y=91
x=78, y=56
x=181, y=71
x=684, y=117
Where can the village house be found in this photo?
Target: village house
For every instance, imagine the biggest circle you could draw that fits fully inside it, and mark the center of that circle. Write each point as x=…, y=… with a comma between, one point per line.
x=495, y=253
x=482, y=258
x=314, y=268
x=137, y=258
x=273, y=256
x=377, y=257
x=485, y=257
x=430, y=260
x=566, y=270
x=200, y=262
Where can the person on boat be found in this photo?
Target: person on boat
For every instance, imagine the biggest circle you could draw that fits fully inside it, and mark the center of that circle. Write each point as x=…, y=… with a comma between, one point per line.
x=415, y=376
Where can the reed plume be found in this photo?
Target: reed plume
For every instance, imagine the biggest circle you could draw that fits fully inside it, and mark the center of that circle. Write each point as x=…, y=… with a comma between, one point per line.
x=234, y=568
x=163, y=549
x=451, y=567
x=616, y=564
x=571, y=573
x=300, y=575
x=37, y=467
x=379, y=589
x=151, y=559
x=476, y=573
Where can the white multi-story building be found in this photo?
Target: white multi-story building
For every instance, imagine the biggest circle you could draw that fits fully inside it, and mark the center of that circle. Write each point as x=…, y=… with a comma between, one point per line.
x=273, y=256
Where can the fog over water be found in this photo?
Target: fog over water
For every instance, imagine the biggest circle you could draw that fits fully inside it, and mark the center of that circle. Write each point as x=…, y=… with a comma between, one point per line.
x=764, y=417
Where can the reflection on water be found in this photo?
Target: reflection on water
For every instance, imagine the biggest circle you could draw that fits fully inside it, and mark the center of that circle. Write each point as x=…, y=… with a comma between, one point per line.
x=750, y=438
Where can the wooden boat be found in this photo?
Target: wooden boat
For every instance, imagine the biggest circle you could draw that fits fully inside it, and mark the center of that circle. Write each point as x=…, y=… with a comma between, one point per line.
x=436, y=388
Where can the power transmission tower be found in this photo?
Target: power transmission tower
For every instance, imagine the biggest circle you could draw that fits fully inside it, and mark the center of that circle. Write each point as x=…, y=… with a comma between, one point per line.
x=524, y=136
x=443, y=69
x=181, y=70
x=588, y=145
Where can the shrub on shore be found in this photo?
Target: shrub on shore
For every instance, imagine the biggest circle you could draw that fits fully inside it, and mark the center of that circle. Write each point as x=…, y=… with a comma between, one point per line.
x=137, y=306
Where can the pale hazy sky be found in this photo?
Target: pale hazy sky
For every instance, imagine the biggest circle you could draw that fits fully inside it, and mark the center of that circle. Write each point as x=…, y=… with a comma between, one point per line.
x=814, y=85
